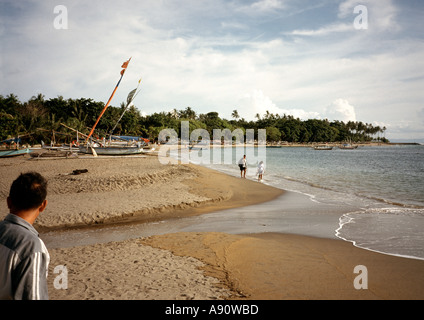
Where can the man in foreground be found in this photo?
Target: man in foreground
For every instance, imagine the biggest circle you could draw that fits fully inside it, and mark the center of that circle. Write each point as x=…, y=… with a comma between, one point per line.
x=24, y=258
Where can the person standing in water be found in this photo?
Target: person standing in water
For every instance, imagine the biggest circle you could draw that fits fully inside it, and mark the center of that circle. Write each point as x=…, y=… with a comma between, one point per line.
x=243, y=167
x=261, y=170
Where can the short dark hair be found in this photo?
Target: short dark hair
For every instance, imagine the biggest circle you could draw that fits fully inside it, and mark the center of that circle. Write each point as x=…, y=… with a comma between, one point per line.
x=28, y=191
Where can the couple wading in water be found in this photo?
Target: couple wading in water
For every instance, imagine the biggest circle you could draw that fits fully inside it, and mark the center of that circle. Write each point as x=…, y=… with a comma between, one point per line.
x=243, y=168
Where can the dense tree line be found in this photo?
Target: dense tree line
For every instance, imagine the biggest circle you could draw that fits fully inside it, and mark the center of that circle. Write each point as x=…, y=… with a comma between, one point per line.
x=40, y=119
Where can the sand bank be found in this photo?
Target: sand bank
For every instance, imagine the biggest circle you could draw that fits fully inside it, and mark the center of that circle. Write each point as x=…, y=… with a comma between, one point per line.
x=126, y=189
x=280, y=266
x=129, y=270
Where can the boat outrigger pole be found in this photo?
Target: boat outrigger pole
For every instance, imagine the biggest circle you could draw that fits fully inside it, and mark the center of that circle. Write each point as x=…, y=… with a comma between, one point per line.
x=124, y=66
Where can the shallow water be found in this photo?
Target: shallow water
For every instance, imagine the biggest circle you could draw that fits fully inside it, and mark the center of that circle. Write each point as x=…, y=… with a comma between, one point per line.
x=300, y=215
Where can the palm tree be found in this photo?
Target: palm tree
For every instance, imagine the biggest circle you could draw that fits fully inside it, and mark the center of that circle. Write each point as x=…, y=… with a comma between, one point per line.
x=383, y=130
x=79, y=116
x=188, y=113
x=39, y=98
x=52, y=125
x=235, y=114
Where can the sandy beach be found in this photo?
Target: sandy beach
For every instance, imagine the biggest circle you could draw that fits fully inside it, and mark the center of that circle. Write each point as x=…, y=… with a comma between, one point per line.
x=186, y=266
x=125, y=189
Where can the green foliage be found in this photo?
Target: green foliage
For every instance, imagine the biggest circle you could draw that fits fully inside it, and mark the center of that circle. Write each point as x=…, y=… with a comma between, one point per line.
x=8, y=125
x=273, y=134
x=39, y=119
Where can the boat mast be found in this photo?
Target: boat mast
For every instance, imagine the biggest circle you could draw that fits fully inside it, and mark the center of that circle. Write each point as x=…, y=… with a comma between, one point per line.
x=124, y=66
x=130, y=98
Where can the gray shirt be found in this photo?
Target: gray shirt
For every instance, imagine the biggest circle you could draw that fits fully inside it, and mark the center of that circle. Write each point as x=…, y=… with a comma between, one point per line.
x=24, y=261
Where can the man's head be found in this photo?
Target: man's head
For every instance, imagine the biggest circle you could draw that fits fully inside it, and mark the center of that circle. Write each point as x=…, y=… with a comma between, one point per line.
x=28, y=193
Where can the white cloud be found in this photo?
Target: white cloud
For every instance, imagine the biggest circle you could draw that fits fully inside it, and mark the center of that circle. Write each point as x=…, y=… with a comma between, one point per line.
x=262, y=7
x=257, y=102
x=339, y=27
x=267, y=5
x=404, y=129
x=234, y=25
x=340, y=110
x=346, y=8
x=382, y=14
x=381, y=18
x=301, y=114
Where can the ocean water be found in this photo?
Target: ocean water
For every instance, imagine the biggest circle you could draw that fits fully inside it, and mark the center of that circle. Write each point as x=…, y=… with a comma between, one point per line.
x=375, y=193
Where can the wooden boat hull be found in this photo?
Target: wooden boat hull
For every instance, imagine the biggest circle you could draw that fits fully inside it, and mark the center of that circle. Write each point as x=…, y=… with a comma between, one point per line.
x=53, y=154
x=13, y=153
x=110, y=151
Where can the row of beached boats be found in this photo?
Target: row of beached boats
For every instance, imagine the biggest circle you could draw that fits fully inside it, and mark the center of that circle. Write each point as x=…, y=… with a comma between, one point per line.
x=66, y=151
x=85, y=144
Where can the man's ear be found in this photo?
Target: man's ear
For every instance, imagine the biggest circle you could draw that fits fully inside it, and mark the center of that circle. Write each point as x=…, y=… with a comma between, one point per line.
x=43, y=206
x=9, y=203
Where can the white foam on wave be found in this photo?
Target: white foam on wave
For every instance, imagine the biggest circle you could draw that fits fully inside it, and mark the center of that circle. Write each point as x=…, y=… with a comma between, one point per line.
x=351, y=218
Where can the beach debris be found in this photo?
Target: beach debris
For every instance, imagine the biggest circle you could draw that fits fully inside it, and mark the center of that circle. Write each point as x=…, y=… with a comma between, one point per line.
x=79, y=171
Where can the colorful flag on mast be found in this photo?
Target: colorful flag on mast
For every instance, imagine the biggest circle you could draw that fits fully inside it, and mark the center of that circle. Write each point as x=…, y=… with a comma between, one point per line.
x=124, y=66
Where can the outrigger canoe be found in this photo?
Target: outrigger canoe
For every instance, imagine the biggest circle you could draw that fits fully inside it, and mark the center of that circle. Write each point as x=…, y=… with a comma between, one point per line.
x=14, y=153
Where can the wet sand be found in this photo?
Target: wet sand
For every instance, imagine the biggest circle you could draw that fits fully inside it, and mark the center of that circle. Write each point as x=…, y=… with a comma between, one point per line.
x=273, y=266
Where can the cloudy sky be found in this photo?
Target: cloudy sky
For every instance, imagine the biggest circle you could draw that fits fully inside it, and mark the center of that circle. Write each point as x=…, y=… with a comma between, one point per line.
x=344, y=60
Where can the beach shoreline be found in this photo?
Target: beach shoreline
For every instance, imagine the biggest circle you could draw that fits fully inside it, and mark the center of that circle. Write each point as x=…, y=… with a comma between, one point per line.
x=222, y=266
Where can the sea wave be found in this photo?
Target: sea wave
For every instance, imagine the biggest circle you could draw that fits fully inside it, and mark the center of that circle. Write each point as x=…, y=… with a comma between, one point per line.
x=391, y=202
x=394, y=231
x=346, y=192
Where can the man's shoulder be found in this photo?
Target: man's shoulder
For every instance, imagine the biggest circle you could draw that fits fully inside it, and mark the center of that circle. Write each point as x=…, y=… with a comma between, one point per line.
x=19, y=239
